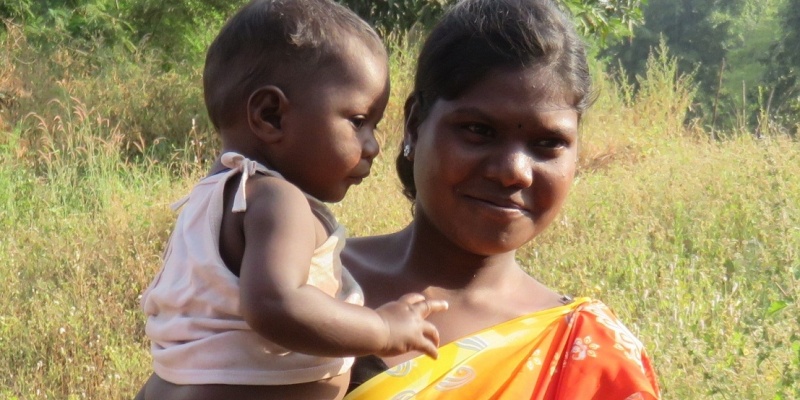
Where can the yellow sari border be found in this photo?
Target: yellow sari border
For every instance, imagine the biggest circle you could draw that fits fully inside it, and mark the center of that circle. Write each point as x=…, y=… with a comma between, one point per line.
x=478, y=363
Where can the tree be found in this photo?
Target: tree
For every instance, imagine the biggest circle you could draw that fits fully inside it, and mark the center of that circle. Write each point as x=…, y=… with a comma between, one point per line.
x=690, y=32
x=702, y=34
x=783, y=64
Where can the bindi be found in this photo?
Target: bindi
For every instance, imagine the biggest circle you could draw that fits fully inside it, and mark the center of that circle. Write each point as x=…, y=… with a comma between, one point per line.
x=519, y=126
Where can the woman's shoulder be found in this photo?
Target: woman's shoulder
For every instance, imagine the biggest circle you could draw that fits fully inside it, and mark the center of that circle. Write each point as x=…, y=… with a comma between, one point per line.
x=375, y=263
x=603, y=352
x=598, y=314
x=372, y=253
x=593, y=318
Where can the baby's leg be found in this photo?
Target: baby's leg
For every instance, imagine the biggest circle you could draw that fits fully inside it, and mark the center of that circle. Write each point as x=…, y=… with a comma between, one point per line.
x=329, y=389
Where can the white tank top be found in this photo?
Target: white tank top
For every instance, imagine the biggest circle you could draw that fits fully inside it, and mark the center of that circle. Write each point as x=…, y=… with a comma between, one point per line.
x=194, y=321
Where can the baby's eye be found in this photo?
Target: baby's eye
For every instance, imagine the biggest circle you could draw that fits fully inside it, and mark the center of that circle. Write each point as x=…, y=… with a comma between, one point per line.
x=553, y=143
x=358, y=121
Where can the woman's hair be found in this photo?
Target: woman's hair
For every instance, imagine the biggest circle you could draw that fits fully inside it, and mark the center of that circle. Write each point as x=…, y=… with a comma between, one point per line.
x=476, y=36
x=275, y=42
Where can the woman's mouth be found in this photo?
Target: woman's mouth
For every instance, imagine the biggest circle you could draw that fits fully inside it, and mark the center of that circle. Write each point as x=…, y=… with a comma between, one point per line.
x=499, y=204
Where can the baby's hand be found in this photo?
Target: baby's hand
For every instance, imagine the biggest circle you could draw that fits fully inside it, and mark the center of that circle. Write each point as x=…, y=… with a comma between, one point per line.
x=407, y=328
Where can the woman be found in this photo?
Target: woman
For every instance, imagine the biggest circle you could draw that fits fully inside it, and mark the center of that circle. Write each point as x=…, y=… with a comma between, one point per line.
x=489, y=154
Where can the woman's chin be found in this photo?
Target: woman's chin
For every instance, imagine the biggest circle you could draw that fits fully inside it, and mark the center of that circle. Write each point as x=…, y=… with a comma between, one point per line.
x=492, y=243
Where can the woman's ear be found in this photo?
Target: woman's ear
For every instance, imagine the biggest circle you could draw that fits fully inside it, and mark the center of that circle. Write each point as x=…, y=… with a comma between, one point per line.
x=265, y=109
x=411, y=111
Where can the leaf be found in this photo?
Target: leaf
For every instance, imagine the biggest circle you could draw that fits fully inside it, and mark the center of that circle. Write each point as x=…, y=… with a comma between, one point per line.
x=776, y=307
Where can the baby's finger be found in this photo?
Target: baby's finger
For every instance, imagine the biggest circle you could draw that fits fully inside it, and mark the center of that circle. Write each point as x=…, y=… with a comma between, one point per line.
x=411, y=298
x=429, y=348
x=354, y=298
x=431, y=333
x=437, y=306
x=428, y=307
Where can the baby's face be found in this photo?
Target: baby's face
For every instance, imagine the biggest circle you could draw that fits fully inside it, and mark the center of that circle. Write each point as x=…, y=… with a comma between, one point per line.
x=330, y=123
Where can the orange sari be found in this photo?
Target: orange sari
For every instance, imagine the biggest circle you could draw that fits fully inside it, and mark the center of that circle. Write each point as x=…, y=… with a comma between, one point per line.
x=576, y=351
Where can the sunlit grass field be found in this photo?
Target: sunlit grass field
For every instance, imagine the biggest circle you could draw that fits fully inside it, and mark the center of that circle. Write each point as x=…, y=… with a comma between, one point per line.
x=695, y=243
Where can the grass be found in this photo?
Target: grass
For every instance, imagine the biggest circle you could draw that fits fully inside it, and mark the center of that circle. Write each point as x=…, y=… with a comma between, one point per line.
x=694, y=242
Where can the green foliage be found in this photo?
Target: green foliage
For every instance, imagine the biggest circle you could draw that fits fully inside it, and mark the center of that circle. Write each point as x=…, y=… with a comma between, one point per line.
x=182, y=29
x=170, y=26
x=50, y=23
x=606, y=18
x=19, y=9
x=599, y=19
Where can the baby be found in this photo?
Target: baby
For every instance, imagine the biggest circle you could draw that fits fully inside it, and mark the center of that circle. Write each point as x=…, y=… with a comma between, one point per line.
x=252, y=300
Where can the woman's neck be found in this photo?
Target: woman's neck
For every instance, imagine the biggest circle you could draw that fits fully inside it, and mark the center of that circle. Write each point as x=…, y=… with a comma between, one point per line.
x=433, y=258
x=482, y=290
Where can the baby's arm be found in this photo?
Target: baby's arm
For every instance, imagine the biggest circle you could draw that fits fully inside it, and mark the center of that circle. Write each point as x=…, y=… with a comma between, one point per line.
x=279, y=231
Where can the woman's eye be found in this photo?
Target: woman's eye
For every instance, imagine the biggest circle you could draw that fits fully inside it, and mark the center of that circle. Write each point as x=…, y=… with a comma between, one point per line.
x=479, y=129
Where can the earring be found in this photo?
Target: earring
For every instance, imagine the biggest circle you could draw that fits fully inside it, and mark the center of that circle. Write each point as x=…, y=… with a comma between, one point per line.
x=406, y=150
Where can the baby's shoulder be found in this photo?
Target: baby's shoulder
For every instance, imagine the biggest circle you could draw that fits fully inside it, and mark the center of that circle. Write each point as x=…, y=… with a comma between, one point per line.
x=273, y=199
x=266, y=185
x=263, y=190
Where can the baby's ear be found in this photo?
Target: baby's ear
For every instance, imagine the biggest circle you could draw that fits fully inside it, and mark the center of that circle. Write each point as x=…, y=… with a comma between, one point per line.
x=265, y=109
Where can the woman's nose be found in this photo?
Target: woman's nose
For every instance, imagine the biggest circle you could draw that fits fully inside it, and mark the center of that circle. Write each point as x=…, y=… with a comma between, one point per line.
x=512, y=167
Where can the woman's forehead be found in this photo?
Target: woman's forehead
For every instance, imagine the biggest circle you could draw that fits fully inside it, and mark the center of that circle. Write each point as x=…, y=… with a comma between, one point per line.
x=537, y=88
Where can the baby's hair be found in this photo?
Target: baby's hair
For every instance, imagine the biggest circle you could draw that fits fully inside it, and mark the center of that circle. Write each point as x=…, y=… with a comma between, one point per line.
x=275, y=42
x=477, y=36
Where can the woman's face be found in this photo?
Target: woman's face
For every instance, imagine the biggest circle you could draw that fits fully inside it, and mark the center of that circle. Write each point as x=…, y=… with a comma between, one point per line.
x=492, y=167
